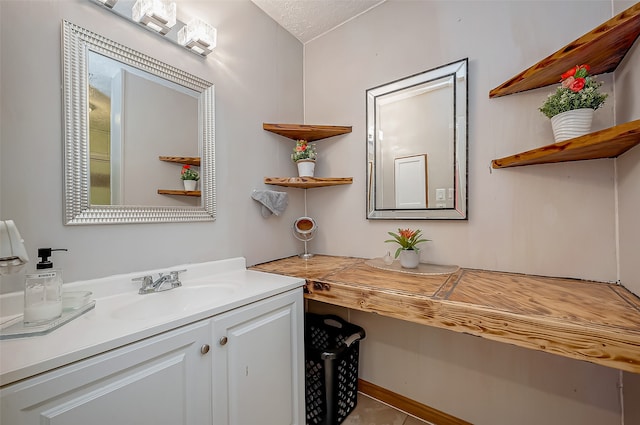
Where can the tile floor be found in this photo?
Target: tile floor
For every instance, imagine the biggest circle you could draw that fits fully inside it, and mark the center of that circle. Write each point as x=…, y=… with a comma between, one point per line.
x=372, y=412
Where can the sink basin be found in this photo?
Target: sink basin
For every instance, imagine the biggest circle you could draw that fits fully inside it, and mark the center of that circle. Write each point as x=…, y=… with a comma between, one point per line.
x=172, y=302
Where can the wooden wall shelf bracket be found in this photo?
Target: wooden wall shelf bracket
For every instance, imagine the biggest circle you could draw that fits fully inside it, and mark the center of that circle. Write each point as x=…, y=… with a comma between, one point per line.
x=607, y=143
x=306, y=132
x=189, y=160
x=307, y=182
x=195, y=193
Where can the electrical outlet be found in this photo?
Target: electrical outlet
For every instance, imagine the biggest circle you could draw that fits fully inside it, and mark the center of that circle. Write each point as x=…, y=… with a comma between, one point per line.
x=440, y=194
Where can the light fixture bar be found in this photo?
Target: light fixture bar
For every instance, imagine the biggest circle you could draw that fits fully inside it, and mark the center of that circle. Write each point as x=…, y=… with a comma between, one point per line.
x=160, y=18
x=108, y=3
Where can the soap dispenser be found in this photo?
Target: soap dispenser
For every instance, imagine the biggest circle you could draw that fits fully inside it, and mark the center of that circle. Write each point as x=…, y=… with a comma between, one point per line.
x=43, y=291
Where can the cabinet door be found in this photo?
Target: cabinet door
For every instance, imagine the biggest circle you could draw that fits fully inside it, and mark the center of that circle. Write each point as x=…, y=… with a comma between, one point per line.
x=161, y=380
x=258, y=372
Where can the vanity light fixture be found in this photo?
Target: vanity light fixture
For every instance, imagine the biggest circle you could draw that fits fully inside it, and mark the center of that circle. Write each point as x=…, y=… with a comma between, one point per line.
x=109, y=3
x=159, y=15
x=198, y=36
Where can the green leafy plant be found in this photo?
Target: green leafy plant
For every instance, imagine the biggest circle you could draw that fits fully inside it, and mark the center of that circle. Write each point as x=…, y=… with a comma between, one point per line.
x=303, y=150
x=189, y=174
x=407, y=239
x=578, y=90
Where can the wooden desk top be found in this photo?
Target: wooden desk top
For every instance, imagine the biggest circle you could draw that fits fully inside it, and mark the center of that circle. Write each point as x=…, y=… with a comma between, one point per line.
x=584, y=320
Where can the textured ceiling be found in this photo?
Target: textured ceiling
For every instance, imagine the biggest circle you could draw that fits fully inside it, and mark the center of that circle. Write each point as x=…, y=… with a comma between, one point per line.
x=308, y=19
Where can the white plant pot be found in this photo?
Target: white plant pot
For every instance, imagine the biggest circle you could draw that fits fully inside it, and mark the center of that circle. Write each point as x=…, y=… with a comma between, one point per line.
x=409, y=258
x=190, y=185
x=306, y=167
x=570, y=124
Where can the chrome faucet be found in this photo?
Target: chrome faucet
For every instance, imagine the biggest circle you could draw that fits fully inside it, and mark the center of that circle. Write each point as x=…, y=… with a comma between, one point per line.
x=163, y=283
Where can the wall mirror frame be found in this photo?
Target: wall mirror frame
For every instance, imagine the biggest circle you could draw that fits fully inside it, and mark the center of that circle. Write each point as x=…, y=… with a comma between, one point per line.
x=77, y=42
x=423, y=116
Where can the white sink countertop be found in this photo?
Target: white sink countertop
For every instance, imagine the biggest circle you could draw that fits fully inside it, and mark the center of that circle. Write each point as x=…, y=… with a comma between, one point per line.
x=121, y=316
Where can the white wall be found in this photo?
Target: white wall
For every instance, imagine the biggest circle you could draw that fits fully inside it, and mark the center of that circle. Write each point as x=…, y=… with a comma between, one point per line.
x=628, y=167
x=628, y=176
x=257, y=72
x=532, y=219
x=557, y=219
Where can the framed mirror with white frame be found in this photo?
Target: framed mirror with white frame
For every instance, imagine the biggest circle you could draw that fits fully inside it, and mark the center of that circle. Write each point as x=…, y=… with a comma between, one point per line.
x=417, y=143
x=123, y=110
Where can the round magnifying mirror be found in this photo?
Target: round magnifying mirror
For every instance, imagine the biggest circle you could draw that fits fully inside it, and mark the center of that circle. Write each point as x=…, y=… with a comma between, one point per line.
x=304, y=229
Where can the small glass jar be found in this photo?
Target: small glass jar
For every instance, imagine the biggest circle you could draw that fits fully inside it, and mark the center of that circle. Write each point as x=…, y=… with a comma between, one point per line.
x=42, y=297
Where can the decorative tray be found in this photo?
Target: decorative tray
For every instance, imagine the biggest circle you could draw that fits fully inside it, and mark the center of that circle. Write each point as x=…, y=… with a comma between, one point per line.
x=16, y=328
x=426, y=269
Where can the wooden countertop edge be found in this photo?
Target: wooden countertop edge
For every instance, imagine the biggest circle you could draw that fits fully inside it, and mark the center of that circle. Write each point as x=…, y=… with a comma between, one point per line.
x=611, y=346
x=593, y=343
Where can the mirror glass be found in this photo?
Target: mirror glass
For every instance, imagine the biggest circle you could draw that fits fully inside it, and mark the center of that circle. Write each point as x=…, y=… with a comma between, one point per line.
x=131, y=123
x=417, y=146
x=123, y=147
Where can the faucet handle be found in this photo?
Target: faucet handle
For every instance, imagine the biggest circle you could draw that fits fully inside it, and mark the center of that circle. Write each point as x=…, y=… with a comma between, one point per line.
x=146, y=280
x=147, y=284
x=175, y=282
x=175, y=273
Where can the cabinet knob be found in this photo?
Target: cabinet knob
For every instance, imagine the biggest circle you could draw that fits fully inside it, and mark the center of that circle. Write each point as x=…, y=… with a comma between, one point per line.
x=223, y=340
x=205, y=349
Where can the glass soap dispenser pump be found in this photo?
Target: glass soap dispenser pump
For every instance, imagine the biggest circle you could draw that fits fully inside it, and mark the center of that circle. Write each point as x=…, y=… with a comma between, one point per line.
x=43, y=291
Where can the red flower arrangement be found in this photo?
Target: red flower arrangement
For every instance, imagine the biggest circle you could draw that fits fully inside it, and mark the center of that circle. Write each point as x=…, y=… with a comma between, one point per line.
x=189, y=174
x=577, y=90
x=303, y=150
x=575, y=78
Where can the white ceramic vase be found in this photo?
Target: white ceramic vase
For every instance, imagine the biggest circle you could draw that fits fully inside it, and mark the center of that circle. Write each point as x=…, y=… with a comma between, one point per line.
x=409, y=258
x=306, y=167
x=190, y=185
x=570, y=124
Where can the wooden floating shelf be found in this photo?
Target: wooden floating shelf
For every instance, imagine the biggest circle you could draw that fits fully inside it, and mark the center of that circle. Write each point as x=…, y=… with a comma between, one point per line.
x=608, y=143
x=602, y=48
x=307, y=182
x=306, y=132
x=309, y=133
x=188, y=160
x=196, y=193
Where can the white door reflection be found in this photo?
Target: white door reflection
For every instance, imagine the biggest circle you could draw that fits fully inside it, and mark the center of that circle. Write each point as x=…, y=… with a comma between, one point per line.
x=411, y=182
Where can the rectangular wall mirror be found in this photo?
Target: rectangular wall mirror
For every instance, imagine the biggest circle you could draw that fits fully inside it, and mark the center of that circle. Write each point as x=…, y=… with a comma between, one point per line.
x=417, y=146
x=123, y=111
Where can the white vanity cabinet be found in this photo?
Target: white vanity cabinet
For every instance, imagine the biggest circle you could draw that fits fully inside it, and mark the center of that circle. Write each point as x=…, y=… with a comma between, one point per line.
x=238, y=366
x=160, y=380
x=258, y=372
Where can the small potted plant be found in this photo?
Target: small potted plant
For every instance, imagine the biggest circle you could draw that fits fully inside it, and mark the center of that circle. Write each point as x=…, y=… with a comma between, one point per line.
x=189, y=177
x=571, y=106
x=304, y=155
x=408, y=251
